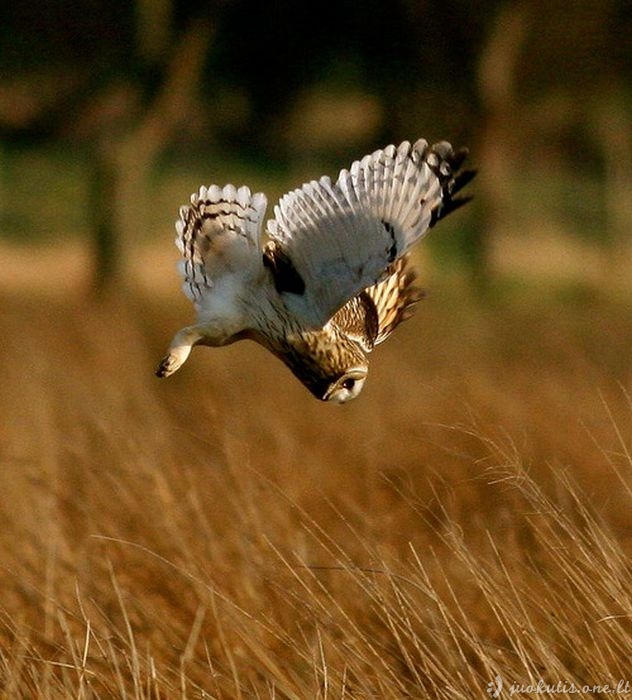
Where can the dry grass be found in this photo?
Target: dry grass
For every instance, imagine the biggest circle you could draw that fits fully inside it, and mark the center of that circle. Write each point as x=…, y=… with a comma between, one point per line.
x=223, y=535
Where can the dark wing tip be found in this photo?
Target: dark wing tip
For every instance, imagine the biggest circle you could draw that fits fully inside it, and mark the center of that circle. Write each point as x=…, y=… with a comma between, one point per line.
x=446, y=165
x=462, y=179
x=451, y=205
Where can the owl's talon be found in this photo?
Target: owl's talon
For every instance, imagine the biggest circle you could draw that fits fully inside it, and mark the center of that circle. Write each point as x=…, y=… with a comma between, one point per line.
x=167, y=366
x=179, y=350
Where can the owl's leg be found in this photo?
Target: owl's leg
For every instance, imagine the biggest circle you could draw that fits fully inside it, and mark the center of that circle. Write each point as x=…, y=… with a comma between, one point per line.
x=179, y=350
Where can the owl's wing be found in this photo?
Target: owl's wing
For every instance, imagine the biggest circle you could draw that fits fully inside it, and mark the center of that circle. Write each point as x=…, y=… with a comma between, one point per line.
x=373, y=315
x=329, y=241
x=219, y=234
x=394, y=298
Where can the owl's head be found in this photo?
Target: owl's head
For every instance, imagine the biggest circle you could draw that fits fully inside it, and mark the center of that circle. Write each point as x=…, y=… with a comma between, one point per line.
x=333, y=369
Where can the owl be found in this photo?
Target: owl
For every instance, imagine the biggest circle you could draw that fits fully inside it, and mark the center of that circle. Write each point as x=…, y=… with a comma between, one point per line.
x=332, y=279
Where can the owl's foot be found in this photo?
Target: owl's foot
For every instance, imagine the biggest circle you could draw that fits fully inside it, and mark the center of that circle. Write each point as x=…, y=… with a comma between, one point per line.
x=168, y=365
x=179, y=351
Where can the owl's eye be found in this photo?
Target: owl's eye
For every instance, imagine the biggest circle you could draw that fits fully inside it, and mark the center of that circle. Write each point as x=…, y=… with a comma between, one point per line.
x=346, y=387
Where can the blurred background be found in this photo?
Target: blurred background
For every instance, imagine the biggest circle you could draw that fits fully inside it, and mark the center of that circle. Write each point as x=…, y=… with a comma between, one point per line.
x=111, y=113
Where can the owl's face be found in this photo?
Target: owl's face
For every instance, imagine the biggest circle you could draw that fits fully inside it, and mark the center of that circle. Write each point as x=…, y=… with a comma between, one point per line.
x=338, y=389
x=333, y=370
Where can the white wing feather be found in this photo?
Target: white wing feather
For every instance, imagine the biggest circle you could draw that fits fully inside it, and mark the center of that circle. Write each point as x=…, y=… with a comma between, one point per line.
x=342, y=237
x=219, y=236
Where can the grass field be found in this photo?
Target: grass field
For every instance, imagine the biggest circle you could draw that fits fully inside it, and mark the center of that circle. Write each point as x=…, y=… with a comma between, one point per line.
x=221, y=534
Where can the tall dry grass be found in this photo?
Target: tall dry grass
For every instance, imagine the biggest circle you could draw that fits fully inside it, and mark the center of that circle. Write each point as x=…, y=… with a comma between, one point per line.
x=223, y=535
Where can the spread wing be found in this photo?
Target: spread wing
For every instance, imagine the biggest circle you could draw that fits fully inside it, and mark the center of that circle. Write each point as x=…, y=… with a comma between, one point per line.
x=330, y=241
x=373, y=315
x=219, y=234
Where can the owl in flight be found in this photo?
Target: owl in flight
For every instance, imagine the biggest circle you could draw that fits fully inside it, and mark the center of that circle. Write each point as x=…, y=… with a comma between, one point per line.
x=333, y=279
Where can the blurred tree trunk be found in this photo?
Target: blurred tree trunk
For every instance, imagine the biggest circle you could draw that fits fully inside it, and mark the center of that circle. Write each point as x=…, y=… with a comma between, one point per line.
x=153, y=29
x=615, y=139
x=612, y=119
x=499, y=140
x=103, y=207
x=124, y=157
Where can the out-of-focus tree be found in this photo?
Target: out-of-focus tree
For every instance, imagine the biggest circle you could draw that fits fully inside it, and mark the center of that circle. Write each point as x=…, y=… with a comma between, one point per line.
x=124, y=153
x=118, y=78
x=534, y=87
x=499, y=140
x=555, y=97
x=417, y=58
x=126, y=149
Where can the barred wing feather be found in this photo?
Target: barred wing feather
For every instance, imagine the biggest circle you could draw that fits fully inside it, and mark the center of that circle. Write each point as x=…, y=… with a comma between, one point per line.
x=341, y=237
x=219, y=234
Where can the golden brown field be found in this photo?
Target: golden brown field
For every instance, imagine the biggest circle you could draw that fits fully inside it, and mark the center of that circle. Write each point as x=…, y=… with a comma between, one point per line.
x=221, y=534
